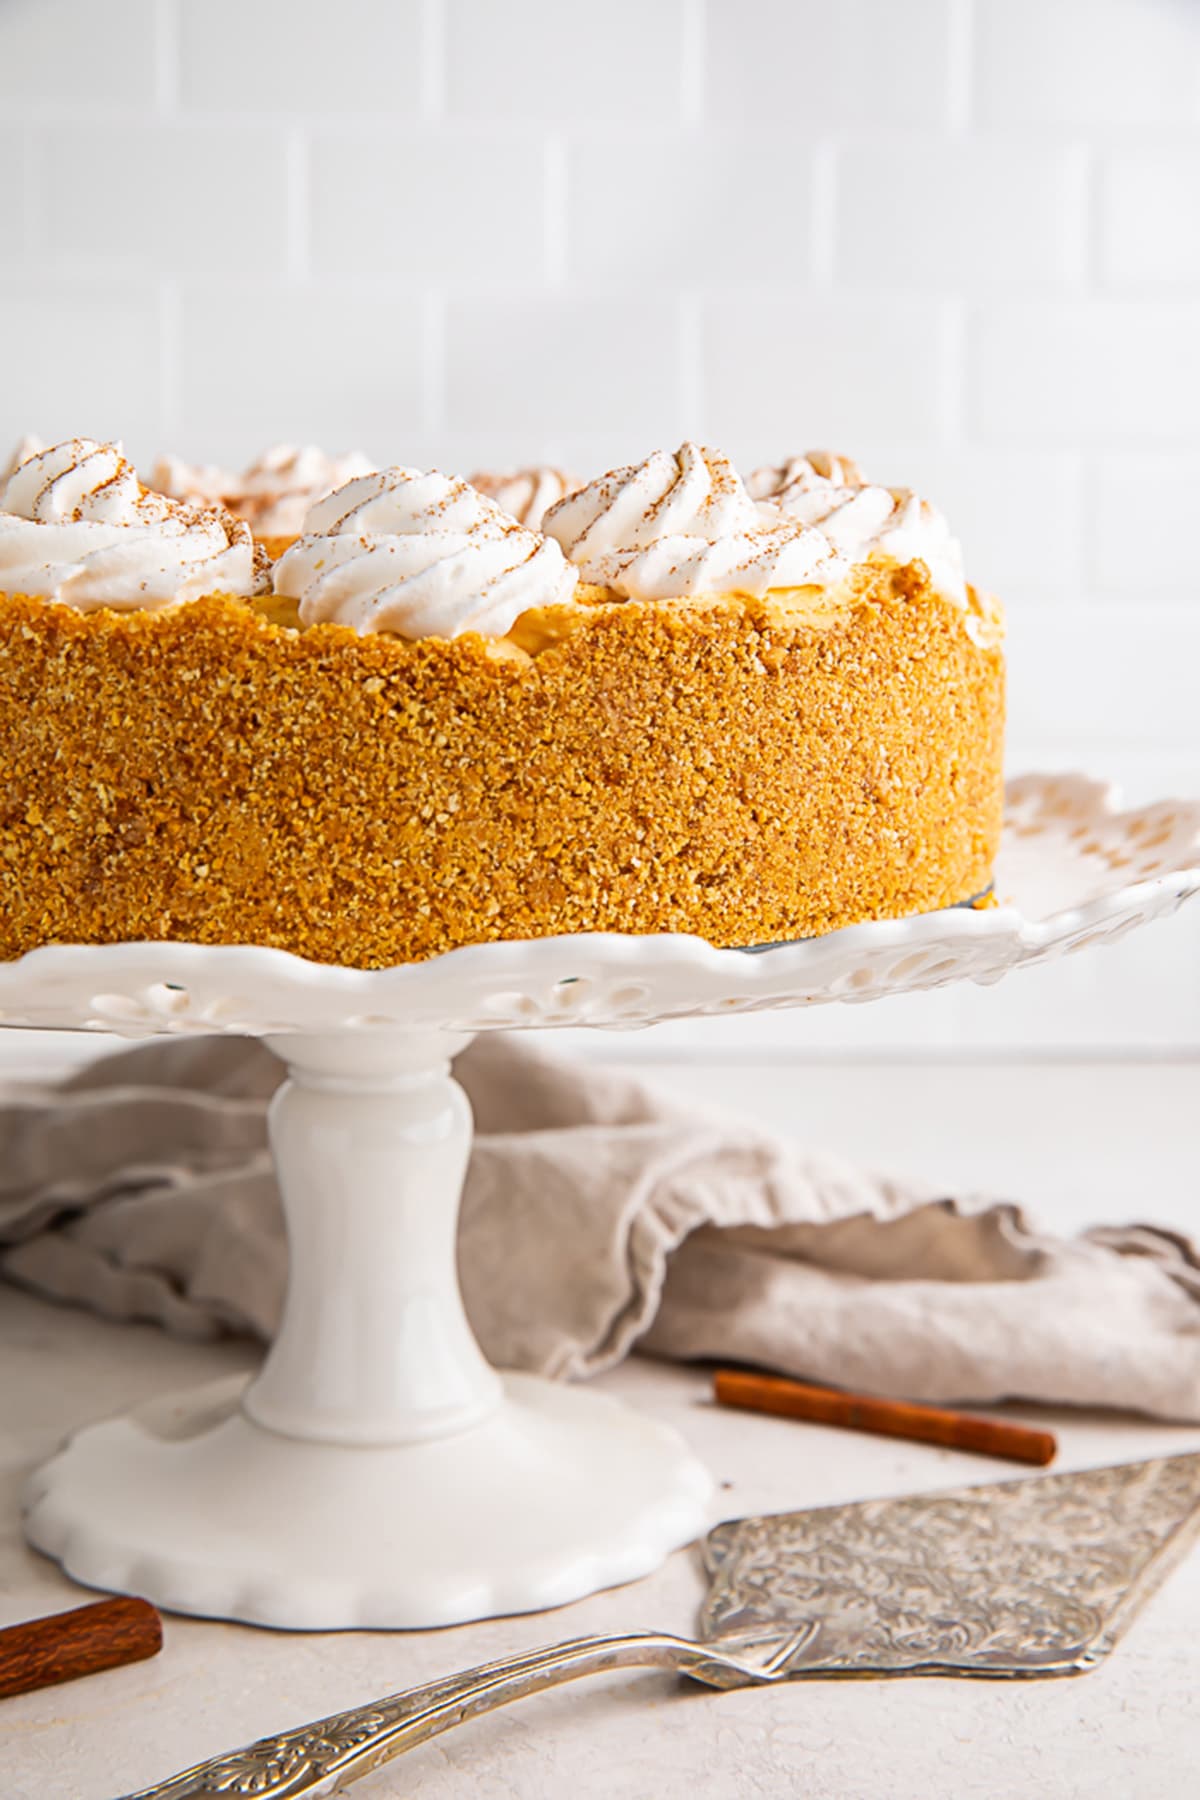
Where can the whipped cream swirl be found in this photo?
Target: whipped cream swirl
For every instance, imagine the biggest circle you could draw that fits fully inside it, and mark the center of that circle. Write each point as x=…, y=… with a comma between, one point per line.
x=77, y=525
x=528, y=494
x=420, y=555
x=859, y=518
x=21, y=452
x=684, y=525
x=815, y=469
x=273, y=495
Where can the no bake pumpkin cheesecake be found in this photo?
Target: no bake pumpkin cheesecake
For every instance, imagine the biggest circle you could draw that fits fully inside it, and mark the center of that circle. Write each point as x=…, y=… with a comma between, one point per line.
x=679, y=709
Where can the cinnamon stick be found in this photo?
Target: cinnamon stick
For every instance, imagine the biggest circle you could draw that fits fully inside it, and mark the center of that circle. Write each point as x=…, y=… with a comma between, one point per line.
x=105, y=1635
x=891, y=1418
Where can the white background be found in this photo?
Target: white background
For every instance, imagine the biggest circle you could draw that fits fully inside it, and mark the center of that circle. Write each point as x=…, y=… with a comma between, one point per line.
x=957, y=238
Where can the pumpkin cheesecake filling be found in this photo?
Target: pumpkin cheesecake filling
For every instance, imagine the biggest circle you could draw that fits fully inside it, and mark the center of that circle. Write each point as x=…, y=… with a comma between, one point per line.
x=680, y=708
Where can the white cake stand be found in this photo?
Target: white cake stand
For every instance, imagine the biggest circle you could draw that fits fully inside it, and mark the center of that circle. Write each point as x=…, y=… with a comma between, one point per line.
x=377, y=1472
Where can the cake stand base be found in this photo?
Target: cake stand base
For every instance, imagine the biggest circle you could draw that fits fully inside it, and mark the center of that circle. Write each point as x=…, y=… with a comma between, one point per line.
x=559, y=1492
x=376, y=1471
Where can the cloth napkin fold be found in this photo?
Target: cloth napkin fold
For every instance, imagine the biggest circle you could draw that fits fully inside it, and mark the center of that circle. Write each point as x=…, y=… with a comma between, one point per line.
x=599, y=1215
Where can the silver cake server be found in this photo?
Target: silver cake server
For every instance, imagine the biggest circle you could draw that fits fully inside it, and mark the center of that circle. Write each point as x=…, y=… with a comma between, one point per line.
x=1019, y=1578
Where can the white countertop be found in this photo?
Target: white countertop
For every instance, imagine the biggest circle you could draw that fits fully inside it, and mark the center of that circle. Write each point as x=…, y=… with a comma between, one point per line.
x=1087, y=1142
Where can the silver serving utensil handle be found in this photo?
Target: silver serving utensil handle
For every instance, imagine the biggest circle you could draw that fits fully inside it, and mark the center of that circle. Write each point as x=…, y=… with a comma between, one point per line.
x=326, y=1756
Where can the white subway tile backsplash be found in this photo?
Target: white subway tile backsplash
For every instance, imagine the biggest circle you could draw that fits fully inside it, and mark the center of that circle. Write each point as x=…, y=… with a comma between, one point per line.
x=1100, y=63
x=83, y=361
x=1150, y=219
x=935, y=212
x=1091, y=372
x=815, y=371
x=421, y=206
x=754, y=188
x=534, y=59
x=262, y=361
x=301, y=56
x=1124, y=676
x=805, y=62
x=524, y=366
x=76, y=53
x=183, y=217
x=1143, y=540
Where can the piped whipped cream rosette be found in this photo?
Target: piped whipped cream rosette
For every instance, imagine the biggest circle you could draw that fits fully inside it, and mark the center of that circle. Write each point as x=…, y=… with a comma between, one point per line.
x=528, y=494
x=273, y=495
x=860, y=518
x=683, y=524
x=21, y=452
x=76, y=525
x=815, y=469
x=419, y=555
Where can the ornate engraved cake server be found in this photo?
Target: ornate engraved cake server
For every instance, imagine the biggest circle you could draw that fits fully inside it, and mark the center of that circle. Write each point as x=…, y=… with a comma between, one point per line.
x=326, y=1756
x=1020, y=1578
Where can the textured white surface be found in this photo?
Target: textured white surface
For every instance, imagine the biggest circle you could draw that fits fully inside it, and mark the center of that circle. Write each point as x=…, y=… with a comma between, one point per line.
x=1094, y=1142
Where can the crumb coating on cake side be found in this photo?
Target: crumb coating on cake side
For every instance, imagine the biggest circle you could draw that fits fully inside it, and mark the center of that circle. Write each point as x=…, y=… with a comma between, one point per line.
x=735, y=769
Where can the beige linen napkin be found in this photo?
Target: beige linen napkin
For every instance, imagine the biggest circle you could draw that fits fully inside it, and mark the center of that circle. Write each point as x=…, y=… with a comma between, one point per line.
x=597, y=1216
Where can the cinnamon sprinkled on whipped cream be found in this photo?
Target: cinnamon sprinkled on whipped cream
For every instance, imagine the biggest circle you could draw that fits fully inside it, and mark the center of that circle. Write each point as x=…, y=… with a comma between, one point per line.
x=528, y=494
x=420, y=555
x=860, y=518
x=684, y=525
x=815, y=468
x=273, y=495
x=22, y=450
x=76, y=525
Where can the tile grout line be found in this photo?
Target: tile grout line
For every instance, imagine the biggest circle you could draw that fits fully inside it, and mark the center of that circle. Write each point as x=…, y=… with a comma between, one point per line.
x=693, y=55
x=960, y=70
x=823, y=180
x=167, y=58
x=433, y=60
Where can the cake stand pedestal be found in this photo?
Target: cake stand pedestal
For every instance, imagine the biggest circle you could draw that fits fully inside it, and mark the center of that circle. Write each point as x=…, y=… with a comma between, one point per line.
x=377, y=1472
